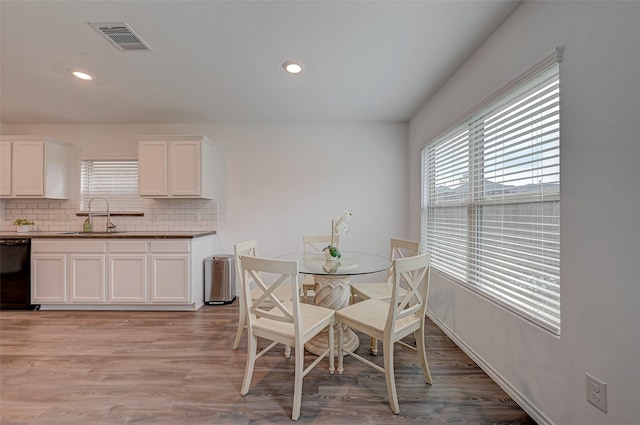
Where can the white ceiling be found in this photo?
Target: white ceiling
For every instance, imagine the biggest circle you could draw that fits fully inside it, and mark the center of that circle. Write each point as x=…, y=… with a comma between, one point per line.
x=221, y=61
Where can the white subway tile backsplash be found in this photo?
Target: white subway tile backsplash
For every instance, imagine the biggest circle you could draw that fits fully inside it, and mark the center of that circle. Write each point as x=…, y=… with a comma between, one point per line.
x=159, y=216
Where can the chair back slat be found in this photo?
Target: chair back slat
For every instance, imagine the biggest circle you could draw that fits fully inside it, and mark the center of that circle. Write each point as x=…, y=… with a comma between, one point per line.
x=269, y=275
x=314, y=244
x=412, y=274
x=268, y=303
x=401, y=248
x=246, y=248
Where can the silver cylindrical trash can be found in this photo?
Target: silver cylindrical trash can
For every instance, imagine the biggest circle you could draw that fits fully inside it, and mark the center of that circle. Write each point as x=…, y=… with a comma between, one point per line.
x=219, y=279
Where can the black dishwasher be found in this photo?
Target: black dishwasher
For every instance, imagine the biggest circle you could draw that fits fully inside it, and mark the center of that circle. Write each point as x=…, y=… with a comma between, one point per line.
x=15, y=274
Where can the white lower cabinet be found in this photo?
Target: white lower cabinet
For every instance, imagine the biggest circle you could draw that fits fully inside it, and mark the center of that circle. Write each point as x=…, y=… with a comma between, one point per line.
x=69, y=272
x=170, y=278
x=86, y=278
x=128, y=278
x=48, y=278
x=118, y=273
x=128, y=271
x=170, y=271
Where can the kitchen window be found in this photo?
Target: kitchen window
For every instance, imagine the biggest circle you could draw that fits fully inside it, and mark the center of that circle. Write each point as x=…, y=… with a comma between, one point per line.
x=491, y=198
x=113, y=179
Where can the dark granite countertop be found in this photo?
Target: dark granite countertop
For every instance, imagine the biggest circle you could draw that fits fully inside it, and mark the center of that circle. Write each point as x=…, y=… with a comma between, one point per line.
x=112, y=235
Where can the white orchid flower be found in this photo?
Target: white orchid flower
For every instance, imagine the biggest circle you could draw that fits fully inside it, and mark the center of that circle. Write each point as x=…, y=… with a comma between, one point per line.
x=341, y=226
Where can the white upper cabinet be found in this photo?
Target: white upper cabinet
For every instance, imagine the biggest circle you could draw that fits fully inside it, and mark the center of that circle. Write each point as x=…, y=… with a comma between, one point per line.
x=185, y=176
x=5, y=169
x=153, y=169
x=34, y=169
x=182, y=168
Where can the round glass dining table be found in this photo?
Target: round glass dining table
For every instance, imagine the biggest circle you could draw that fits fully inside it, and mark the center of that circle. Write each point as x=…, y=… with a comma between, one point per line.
x=332, y=286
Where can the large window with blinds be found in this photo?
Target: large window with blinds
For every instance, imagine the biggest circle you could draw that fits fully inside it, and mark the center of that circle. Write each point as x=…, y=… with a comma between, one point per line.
x=491, y=198
x=114, y=180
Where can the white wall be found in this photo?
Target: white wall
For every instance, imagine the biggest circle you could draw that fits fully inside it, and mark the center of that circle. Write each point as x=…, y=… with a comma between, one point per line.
x=285, y=180
x=600, y=212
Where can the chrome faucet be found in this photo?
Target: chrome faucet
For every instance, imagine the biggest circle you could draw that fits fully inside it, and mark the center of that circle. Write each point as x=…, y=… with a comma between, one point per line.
x=110, y=225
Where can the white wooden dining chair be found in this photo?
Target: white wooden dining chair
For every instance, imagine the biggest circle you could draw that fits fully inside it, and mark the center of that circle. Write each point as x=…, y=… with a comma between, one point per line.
x=392, y=320
x=249, y=248
x=289, y=322
x=314, y=244
x=400, y=248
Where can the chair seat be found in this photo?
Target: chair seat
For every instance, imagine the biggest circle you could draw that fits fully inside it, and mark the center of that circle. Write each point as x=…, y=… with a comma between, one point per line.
x=369, y=290
x=372, y=315
x=313, y=317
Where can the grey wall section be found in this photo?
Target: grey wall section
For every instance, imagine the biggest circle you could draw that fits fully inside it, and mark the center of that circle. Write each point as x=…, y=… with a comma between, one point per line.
x=600, y=212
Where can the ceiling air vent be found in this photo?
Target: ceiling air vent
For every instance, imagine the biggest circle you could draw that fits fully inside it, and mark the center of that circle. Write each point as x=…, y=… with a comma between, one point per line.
x=121, y=36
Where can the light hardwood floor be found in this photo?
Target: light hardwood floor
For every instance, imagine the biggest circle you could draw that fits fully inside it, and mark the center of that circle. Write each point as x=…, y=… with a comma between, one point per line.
x=162, y=368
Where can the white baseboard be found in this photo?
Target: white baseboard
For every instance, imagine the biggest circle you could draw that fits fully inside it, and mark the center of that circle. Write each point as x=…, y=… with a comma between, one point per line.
x=522, y=401
x=120, y=307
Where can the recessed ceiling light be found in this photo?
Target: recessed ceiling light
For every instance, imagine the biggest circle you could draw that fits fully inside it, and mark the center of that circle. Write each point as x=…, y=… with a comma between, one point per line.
x=82, y=75
x=292, y=67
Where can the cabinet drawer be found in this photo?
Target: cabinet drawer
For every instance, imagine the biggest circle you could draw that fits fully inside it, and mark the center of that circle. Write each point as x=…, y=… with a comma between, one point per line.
x=174, y=245
x=68, y=246
x=127, y=246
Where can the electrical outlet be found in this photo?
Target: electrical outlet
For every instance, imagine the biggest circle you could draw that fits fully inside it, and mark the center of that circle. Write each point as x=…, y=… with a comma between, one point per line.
x=597, y=393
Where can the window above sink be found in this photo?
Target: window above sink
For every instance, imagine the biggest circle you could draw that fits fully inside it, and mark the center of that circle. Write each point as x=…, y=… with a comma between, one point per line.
x=113, y=179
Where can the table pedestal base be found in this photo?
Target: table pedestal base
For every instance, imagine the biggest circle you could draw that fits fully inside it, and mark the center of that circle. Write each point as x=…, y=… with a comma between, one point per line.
x=332, y=292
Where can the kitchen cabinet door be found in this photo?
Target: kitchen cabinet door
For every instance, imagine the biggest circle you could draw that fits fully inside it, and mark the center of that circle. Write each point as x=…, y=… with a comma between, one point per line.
x=186, y=168
x=34, y=169
x=5, y=168
x=27, y=169
x=153, y=169
x=170, y=278
x=48, y=278
x=185, y=165
x=127, y=278
x=87, y=278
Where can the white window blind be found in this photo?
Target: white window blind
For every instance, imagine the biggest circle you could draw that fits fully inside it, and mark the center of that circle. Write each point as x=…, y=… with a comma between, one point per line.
x=114, y=180
x=491, y=199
